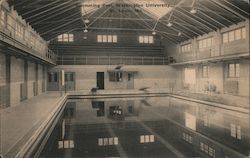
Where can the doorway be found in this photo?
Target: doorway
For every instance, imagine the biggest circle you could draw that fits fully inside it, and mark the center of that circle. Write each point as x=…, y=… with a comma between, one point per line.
x=130, y=82
x=100, y=80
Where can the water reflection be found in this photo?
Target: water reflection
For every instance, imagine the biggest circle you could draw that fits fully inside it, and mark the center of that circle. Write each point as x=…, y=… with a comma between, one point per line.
x=148, y=127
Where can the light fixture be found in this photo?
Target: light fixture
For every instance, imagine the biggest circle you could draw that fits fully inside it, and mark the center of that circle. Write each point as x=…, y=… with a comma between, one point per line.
x=169, y=24
x=85, y=31
x=193, y=10
x=86, y=21
x=153, y=33
x=85, y=37
x=179, y=33
x=194, y=7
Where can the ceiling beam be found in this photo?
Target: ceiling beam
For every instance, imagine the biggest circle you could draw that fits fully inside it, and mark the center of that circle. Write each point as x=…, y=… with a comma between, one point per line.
x=206, y=25
x=217, y=14
x=40, y=8
x=51, y=15
x=229, y=9
x=46, y=11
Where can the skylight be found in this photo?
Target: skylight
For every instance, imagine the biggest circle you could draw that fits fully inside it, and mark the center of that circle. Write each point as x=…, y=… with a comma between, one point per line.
x=89, y=6
x=155, y=8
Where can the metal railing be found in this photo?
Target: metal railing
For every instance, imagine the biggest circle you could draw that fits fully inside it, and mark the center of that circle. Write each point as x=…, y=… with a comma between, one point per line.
x=112, y=60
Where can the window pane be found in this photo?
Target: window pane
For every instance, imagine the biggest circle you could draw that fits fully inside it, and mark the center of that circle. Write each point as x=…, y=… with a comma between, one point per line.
x=71, y=37
x=233, y=130
x=200, y=44
x=225, y=38
x=140, y=39
x=99, y=38
x=66, y=144
x=238, y=132
x=111, y=141
x=116, y=140
x=109, y=38
x=231, y=36
x=237, y=70
x=60, y=144
x=152, y=138
x=145, y=39
x=142, y=139
x=71, y=144
x=104, y=38
x=105, y=141
x=238, y=34
x=151, y=39
x=146, y=138
x=204, y=43
x=100, y=141
x=243, y=33
x=115, y=39
x=209, y=42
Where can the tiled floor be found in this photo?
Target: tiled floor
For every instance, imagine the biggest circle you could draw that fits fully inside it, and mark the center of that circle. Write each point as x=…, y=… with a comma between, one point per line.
x=20, y=122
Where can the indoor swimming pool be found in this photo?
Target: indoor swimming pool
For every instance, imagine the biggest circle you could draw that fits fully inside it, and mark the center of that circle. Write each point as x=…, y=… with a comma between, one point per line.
x=146, y=127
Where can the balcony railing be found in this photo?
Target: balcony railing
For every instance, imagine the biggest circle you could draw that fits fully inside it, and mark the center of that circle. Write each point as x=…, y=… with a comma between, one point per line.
x=114, y=60
x=13, y=28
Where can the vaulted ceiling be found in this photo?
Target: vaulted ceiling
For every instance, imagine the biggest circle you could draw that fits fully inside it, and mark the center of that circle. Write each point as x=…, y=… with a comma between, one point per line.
x=174, y=21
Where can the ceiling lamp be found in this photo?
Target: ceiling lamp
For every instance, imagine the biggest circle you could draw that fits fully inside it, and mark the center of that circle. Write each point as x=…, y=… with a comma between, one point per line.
x=153, y=33
x=179, y=33
x=86, y=21
x=85, y=37
x=193, y=10
x=194, y=7
x=169, y=24
x=85, y=31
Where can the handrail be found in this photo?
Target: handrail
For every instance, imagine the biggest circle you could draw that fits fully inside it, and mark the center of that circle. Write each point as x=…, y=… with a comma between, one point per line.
x=112, y=60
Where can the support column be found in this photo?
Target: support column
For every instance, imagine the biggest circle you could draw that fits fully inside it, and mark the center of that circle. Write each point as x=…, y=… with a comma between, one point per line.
x=8, y=80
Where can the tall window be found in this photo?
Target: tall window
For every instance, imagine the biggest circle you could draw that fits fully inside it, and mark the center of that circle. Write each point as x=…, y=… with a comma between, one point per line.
x=205, y=43
x=186, y=137
x=107, y=38
x=147, y=139
x=234, y=70
x=115, y=76
x=3, y=17
x=66, y=144
x=19, y=30
x=190, y=76
x=235, y=131
x=186, y=48
x=108, y=141
x=207, y=149
x=146, y=39
x=205, y=71
x=234, y=35
x=66, y=37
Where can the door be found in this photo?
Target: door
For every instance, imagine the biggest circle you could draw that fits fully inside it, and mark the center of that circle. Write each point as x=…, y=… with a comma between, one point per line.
x=70, y=81
x=130, y=84
x=100, y=80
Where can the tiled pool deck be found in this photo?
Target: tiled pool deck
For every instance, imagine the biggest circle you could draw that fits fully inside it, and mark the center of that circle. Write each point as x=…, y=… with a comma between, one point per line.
x=21, y=124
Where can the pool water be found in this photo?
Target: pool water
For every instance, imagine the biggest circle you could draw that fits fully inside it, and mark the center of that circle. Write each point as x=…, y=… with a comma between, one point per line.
x=147, y=127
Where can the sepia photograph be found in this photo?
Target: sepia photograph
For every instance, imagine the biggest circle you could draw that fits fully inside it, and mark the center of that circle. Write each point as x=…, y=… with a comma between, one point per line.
x=124, y=79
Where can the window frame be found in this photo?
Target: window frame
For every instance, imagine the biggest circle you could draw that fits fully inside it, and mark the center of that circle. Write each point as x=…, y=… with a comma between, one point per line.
x=234, y=71
x=146, y=39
